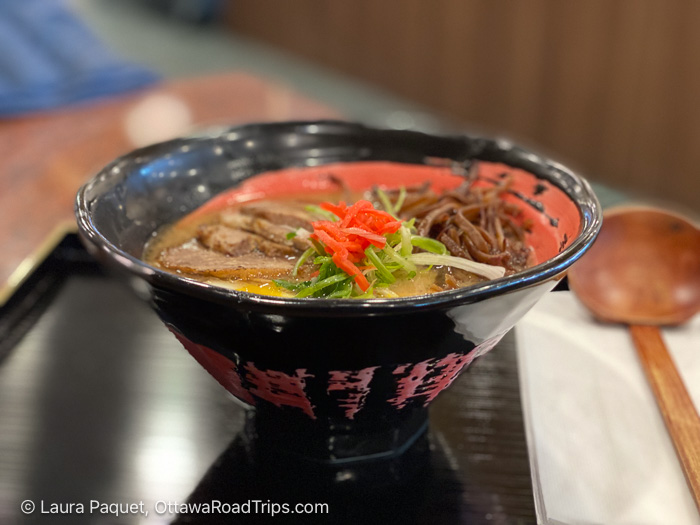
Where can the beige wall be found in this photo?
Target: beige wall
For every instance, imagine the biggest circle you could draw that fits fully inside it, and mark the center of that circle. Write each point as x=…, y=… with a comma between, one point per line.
x=610, y=86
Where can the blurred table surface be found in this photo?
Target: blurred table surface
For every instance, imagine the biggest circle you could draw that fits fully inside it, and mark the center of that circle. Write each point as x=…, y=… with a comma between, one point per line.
x=44, y=158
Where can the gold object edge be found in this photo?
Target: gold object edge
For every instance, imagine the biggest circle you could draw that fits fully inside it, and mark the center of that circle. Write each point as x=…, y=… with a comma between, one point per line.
x=30, y=264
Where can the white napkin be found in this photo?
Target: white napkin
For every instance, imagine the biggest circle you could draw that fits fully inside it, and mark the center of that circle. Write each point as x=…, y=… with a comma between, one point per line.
x=599, y=450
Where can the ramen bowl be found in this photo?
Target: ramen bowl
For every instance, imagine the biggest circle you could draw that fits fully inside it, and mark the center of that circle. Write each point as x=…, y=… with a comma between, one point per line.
x=339, y=383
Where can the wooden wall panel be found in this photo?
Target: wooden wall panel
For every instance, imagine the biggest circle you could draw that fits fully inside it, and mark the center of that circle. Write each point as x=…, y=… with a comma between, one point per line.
x=610, y=87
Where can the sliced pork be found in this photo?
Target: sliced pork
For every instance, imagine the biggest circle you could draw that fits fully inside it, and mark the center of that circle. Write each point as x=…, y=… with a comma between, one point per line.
x=266, y=229
x=291, y=215
x=249, y=243
x=230, y=241
x=193, y=258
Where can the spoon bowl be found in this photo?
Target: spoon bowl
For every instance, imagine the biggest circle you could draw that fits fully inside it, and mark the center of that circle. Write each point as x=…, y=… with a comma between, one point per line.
x=644, y=268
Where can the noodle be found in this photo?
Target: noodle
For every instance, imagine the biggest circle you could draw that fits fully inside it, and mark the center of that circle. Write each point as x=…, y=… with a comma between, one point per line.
x=472, y=222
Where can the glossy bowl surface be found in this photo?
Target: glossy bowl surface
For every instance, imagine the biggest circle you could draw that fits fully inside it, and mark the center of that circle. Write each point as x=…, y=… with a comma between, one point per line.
x=335, y=381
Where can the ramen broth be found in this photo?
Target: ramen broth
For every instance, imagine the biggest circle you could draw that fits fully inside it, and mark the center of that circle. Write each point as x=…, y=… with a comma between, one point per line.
x=256, y=246
x=185, y=232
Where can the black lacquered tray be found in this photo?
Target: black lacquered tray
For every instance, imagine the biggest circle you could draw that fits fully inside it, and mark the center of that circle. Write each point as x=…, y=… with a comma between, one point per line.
x=99, y=403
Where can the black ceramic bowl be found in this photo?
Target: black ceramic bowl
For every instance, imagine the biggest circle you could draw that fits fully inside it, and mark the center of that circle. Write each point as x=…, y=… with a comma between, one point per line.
x=337, y=382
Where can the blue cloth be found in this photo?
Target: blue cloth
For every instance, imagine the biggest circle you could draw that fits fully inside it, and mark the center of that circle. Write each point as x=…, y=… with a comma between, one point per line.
x=49, y=58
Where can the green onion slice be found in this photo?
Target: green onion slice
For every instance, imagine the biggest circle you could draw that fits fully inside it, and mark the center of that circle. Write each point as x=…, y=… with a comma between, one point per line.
x=399, y=201
x=406, y=247
x=404, y=262
x=318, y=247
x=386, y=202
x=343, y=290
x=302, y=259
x=381, y=269
x=484, y=270
x=320, y=285
x=428, y=244
x=290, y=285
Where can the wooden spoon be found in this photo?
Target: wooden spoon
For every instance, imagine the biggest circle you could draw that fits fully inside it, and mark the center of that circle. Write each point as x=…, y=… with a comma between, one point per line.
x=644, y=271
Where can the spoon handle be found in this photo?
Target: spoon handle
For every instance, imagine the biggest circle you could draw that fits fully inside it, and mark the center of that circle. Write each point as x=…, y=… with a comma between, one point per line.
x=677, y=409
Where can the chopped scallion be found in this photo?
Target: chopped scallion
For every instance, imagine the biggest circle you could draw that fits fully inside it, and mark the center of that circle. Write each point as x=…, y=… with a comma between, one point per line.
x=321, y=284
x=386, y=203
x=399, y=201
x=382, y=270
x=406, y=247
x=290, y=285
x=302, y=259
x=484, y=270
x=404, y=262
x=428, y=244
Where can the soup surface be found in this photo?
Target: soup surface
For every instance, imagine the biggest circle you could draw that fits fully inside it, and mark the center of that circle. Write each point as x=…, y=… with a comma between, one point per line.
x=337, y=240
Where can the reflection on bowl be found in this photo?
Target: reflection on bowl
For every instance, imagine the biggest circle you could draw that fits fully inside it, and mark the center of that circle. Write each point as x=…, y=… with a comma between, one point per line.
x=338, y=382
